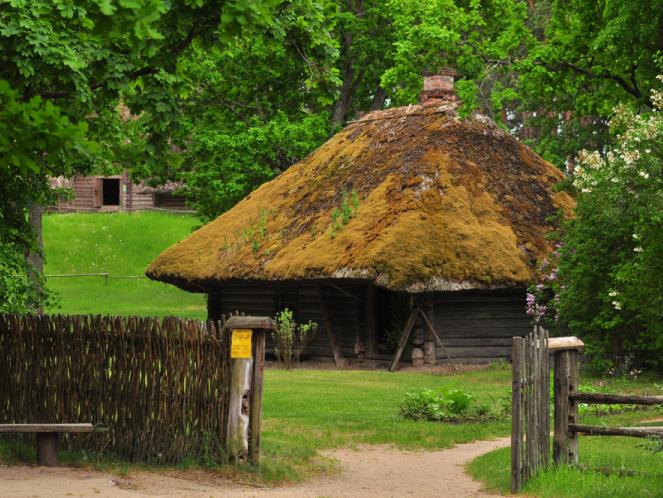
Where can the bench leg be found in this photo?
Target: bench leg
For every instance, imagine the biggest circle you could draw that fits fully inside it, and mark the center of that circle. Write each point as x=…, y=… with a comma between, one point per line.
x=47, y=448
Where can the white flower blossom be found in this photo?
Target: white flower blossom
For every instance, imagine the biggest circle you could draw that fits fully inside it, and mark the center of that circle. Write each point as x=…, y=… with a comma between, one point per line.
x=617, y=305
x=637, y=249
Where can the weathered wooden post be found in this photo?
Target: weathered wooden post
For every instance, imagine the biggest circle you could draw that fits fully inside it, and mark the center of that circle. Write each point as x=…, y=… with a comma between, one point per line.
x=247, y=353
x=565, y=442
x=516, y=415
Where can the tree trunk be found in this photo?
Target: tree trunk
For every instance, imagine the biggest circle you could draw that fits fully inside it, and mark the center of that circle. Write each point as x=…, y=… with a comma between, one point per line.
x=341, y=105
x=378, y=99
x=35, y=257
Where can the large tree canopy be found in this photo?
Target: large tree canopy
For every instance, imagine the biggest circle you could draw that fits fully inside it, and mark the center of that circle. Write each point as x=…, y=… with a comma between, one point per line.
x=65, y=63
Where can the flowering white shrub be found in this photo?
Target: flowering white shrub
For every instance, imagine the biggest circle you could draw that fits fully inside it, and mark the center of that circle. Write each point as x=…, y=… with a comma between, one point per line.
x=610, y=286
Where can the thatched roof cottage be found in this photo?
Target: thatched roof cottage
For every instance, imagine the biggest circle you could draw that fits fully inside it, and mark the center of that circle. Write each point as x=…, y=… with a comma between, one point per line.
x=404, y=208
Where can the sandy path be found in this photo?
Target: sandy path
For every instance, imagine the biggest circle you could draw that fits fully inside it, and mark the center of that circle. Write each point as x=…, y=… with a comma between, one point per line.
x=370, y=471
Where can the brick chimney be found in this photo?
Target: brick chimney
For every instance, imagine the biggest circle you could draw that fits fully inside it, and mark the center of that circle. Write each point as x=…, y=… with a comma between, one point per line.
x=438, y=87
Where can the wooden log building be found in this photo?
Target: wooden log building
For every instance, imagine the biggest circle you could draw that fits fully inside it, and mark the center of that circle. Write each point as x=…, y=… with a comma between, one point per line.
x=411, y=229
x=116, y=193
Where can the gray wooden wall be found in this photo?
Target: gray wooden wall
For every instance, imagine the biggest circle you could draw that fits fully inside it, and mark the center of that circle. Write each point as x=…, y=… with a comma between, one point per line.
x=479, y=326
x=475, y=326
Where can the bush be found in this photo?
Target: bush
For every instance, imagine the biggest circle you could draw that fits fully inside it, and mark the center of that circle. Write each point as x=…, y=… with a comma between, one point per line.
x=611, y=290
x=291, y=338
x=451, y=406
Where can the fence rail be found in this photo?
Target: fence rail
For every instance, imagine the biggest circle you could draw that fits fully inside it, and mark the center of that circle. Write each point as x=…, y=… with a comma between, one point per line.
x=159, y=386
x=615, y=399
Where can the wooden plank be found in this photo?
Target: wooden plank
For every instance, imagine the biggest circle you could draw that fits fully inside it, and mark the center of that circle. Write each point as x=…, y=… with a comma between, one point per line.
x=565, y=443
x=214, y=304
x=516, y=427
x=599, y=430
x=563, y=343
x=46, y=427
x=47, y=448
x=249, y=322
x=333, y=342
x=611, y=399
x=237, y=434
x=405, y=335
x=255, y=412
x=437, y=339
x=369, y=320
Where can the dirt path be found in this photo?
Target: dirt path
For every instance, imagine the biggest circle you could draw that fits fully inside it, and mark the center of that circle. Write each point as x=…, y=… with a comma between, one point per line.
x=370, y=471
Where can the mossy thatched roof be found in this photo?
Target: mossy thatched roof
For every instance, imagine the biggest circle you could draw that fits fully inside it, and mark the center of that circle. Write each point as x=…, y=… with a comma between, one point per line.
x=412, y=198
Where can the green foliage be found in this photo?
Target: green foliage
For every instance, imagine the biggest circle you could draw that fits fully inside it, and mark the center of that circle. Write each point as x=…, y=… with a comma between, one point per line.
x=256, y=232
x=610, y=289
x=454, y=405
x=473, y=37
x=291, y=338
x=18, y=292
x=342, y=215
x=584, y=58
x=65, y=63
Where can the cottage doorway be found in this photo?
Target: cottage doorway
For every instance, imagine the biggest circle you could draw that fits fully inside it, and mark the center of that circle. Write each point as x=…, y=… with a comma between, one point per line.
x=110, y=188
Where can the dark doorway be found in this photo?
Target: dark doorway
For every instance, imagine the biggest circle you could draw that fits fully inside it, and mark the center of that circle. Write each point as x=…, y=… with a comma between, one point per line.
x=391, y=313
x=111, y=191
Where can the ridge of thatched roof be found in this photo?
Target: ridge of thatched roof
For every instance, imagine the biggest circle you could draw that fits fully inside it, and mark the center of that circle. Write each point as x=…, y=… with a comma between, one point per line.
x=412, y=198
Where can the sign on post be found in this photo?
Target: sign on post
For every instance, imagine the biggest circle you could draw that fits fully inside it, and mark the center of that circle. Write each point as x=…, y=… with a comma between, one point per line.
x=240, y=344
x=247, y=354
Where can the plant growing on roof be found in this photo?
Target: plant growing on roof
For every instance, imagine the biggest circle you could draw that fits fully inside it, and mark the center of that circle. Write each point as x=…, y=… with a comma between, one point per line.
x=342, y=215
x=290, y=338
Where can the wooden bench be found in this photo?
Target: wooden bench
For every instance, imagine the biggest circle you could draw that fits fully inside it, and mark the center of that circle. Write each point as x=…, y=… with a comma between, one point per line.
x=47, y=438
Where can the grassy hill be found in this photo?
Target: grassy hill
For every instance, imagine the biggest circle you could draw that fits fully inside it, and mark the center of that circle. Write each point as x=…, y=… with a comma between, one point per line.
x=120, y=244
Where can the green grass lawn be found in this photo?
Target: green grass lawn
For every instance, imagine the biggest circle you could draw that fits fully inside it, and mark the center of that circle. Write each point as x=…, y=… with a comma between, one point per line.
x=306, y=411
x=120, y=244
x=309, y=410
x=601, y=459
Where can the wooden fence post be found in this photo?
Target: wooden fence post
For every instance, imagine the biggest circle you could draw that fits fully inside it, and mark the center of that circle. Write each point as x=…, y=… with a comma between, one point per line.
x=516, y=416
x=247, y=353
x=565, y=442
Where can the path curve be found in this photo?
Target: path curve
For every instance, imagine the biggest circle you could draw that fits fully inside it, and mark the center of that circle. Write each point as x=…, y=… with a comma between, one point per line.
x=369, y=471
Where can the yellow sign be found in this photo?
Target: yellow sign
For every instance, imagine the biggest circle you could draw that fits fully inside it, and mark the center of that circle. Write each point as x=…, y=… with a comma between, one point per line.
x=240, y=344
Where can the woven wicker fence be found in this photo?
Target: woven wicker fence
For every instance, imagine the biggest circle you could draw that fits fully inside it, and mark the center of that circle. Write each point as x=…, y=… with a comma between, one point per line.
x=158, y=386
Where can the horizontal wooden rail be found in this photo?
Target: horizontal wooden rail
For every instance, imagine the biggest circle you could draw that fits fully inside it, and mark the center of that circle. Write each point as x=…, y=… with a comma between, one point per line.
x=105, y=275
x=597, y=430
x=46, y=428
x=611, y=399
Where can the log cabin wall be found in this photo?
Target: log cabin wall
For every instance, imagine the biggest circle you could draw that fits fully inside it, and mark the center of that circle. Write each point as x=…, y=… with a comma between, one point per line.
x=478, y=326
x=266, y=299
x=89, y=196
x=475, y=326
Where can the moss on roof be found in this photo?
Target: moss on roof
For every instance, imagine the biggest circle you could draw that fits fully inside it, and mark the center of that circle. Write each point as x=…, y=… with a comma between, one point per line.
x=411, y=198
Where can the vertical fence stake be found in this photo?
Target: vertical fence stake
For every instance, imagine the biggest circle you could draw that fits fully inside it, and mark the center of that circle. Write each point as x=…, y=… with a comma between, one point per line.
x=565, y=443
x=516, y=422
x=255, y=413
x=247, y=353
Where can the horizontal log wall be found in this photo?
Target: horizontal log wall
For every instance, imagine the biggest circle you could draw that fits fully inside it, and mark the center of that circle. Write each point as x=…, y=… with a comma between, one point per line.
x=262, y=299
x=479, y=325
x=130, y=196
x=474, y=326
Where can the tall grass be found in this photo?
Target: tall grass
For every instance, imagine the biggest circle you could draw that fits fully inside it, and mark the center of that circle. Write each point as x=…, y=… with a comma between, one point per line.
x=120, y=244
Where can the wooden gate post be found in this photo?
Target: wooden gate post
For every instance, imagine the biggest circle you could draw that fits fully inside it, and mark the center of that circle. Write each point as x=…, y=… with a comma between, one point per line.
x=565, y=442
x=247, y=353
x=516, y=416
